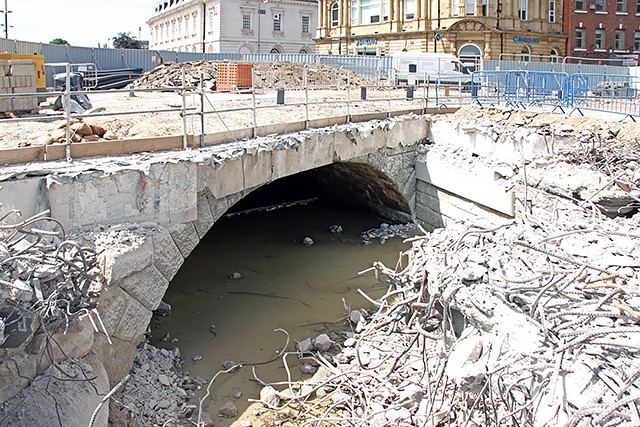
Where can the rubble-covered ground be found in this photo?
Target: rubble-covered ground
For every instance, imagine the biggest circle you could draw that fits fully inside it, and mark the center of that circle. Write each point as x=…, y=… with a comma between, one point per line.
x=533, y=321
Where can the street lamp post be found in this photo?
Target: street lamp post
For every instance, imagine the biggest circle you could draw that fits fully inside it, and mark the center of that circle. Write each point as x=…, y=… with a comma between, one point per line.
x=260, y=12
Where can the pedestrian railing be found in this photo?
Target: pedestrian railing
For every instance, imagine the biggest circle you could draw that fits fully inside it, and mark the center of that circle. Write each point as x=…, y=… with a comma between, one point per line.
x=198, y=117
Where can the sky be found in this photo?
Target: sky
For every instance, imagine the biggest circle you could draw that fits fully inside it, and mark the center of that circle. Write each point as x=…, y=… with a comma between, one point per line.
x=85, y=23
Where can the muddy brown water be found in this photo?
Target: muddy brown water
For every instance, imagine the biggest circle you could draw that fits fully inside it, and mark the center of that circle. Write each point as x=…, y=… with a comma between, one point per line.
x=284, y=284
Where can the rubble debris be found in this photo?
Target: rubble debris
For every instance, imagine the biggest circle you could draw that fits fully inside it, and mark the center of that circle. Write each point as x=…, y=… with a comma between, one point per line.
x=280, y=74
x=168, y=402
x=46, y=280
x=547, y=335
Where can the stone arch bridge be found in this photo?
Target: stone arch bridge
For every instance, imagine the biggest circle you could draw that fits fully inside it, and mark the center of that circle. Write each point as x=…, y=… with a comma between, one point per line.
x=145, y=213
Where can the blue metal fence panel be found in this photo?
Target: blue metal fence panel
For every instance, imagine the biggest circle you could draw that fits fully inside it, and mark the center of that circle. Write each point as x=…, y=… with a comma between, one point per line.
x=555, y=67
x=607, y=92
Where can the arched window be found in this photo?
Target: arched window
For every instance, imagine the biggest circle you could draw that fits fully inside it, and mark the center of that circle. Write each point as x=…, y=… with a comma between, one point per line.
x=275, y=50
x=335, y=14
x=470, y=55
x=526, y=53
x=555, y=57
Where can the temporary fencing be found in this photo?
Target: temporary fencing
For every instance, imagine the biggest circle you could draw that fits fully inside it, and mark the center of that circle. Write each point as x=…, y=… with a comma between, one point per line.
x=614, y=93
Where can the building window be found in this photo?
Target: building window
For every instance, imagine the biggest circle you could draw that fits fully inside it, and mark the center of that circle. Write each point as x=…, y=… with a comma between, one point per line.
x=485, y=7
x=636, y=41
x=552, y=11
x=306, y=20
x=409, y=9
x=277, y=22
x=246, y=20
x=354, y=13
x=618, y=44
x=523, y=5
x=553, y=56
x=335, y=15
x=600, y=5
x=599, y=39
x=455, y=7
x=470, y=7
x=581, y=5
x=526, y=53
x=621, y=5
x=579, y=38
x=637, y=7
x=369, y=11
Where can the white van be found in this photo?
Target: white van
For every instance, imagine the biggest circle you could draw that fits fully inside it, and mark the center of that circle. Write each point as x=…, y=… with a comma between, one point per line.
x=411, y=67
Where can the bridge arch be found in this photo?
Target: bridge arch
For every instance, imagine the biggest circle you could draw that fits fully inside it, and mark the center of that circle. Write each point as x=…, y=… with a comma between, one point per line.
x=150, y=213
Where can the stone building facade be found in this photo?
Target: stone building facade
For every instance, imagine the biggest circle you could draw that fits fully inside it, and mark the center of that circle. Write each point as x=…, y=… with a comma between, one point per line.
x=234, y=26
x=603, y=29
x=480, y=29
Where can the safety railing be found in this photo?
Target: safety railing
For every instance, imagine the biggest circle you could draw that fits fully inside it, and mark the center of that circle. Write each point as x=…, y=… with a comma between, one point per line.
x=194, y=116
x=607, y=92
x=600, y=92
x=454, y=91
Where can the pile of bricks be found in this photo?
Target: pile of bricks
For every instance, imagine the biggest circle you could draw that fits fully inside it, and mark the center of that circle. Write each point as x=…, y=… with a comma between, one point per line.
x=17, y=76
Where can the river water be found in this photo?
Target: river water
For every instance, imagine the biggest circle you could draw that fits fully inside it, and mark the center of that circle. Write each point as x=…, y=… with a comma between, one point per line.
x=282, y=284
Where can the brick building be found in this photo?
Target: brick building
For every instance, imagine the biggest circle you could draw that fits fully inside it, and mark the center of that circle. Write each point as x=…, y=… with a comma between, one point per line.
x=488, y=29
x=602, y=29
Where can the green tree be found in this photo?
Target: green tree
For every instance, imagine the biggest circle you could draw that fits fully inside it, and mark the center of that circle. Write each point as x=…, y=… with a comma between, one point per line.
x=125, y=41
x=59, y=41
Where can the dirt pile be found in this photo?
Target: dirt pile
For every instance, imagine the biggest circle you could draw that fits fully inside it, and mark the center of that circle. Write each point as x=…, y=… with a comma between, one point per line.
x=267, y=75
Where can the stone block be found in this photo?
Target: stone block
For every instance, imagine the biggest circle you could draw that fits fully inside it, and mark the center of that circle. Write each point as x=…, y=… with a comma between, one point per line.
x=223, y=180
x=147, y=286
x=257, y=168
x=117, y=262
x=185, y=237
x=205, y=217
x=123, y=315
x=22, y=67
x=166, y=255
x=310, y=154
x=5, y=69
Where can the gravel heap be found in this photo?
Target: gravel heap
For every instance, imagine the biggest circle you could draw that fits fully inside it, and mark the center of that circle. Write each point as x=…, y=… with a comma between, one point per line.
x=268, y=74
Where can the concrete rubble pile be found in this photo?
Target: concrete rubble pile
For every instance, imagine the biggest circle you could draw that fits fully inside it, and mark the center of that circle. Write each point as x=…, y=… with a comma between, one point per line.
x=527, y=322
x=157, y=388
x=267, y=74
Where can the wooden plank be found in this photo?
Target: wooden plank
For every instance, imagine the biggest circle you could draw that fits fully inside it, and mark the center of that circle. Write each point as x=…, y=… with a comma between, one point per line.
x=55, y=152
x=365, y=117
x=11, y=156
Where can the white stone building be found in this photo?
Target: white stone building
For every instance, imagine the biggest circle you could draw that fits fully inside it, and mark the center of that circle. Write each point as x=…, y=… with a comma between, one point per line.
x=234, y=26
